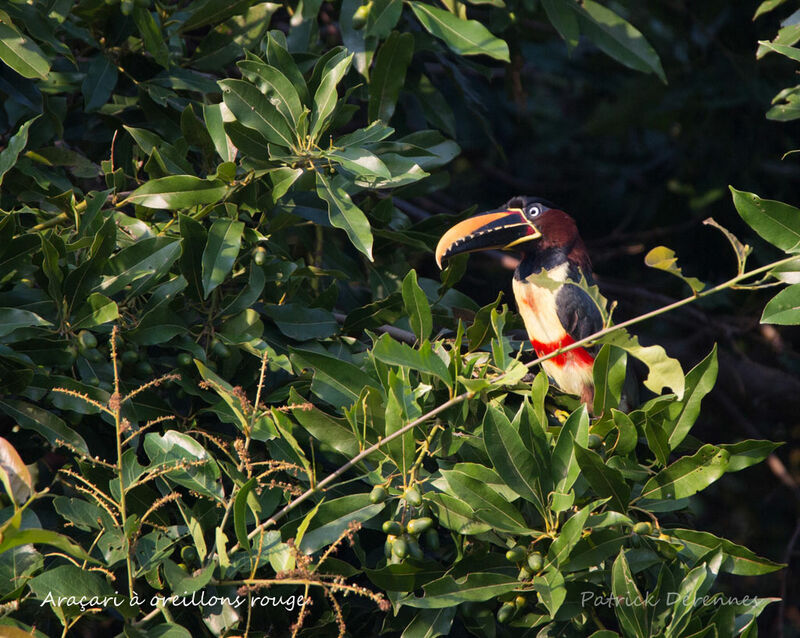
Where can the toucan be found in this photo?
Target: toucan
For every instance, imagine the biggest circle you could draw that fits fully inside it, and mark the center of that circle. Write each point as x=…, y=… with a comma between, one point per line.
x=555, y=315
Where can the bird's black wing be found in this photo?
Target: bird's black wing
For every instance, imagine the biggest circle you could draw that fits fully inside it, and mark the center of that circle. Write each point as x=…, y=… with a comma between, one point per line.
x=577, y=312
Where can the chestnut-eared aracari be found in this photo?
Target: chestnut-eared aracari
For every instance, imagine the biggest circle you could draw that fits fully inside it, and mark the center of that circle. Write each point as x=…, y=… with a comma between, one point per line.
x=556, y=315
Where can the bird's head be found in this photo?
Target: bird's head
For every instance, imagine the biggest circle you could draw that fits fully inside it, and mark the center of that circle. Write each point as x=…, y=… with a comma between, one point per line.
x=523, y=223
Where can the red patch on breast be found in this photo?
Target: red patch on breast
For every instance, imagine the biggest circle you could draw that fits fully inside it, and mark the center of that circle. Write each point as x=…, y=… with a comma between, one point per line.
x=578, y=355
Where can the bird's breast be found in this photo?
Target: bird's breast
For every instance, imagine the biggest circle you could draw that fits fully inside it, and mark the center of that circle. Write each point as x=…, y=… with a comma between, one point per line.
x=572, y=371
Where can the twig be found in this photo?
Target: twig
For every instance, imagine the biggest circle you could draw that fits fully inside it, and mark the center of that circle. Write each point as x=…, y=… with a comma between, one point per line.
x=396, y=333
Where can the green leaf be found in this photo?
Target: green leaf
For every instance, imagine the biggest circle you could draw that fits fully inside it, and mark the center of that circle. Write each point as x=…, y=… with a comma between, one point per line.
x=152, y=37
x=564, y=20
x=343, y=213
x=278, y=57
x=212, y=116
x=99, y=83
x=389, y=75
x=13, y=318
x=195, y=469
x=630, y=609
x=606, y=481
x=422, y=360
x=360, y=162
x=747, y=453
x=22, y=54
x=784, y=308
x=455, y=514
x=177, y=191
x=663, y=258
x=574, y=433
x=512, y=460
x=569, y=535
x=278, y=89
x=301, y=323
x=182, y=583
x=326, y=428
x=489, y=505
x=220, y=253
x=52, y=428
x=326, y=97
x=342, y=380
x=448, y=591
x=699, y=382
x=737, y=560
x=609, y=376
x=627, y=436
x=334, y=517
x=252, y=109
x=776, y=222
x=67, y=581
x=664, y=370
x=766, y=6
x=144, y=262
x=688, y=475
x=618, y=38
x=552, y=589
x=240, y=513
x=18, y=141
x=15, y=537
x=465, y=37
x=193, y=242
x=97, y=310
x=657, y=441
x=430, y=623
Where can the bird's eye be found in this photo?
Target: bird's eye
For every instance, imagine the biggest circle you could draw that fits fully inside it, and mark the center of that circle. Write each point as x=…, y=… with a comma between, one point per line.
x=534, y=210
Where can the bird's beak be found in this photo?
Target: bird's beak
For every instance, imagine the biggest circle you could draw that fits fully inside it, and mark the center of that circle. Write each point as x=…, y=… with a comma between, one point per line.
x=503, y=229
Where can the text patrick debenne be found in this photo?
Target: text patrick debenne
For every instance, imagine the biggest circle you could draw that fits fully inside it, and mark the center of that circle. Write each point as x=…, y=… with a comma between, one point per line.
x=672, y=597
x=197, y=599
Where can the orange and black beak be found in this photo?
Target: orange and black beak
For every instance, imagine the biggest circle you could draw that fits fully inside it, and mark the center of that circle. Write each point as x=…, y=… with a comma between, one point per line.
x=503, y=228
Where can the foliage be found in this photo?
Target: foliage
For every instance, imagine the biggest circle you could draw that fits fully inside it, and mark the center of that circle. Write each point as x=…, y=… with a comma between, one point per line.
x=206, y=307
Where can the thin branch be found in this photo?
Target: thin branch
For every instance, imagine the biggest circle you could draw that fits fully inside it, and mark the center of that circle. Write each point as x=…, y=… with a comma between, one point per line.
x=468, y=395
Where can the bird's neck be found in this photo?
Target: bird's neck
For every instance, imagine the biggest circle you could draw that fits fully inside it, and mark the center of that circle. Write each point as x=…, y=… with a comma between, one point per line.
x=555, y=260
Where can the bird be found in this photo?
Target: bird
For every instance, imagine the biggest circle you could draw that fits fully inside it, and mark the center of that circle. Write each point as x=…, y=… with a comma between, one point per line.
x=555, y=314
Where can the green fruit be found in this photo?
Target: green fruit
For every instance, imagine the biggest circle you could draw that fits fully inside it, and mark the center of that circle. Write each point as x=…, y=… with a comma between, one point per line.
x=419, y=525
x=400, y=548
x=524, y=573
x=378, y=494
x=595, y=441
x=666, y=550
x=361, y=14
x=414, y=549
x=413, y=497
x=220, y=349
x=516, y=554
x=86, y=340
x=184, y=359
x=93, y=355
x=144, y=369
x=506, y=612
x=189, y=554
x=129, y=357
x=520, y=602
x=127, y=7
x=387, y=546
x=643, y=528
x=72, y=354
x=535, y=562
x=392, y=527
x=432, y=539
x=259, y=256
